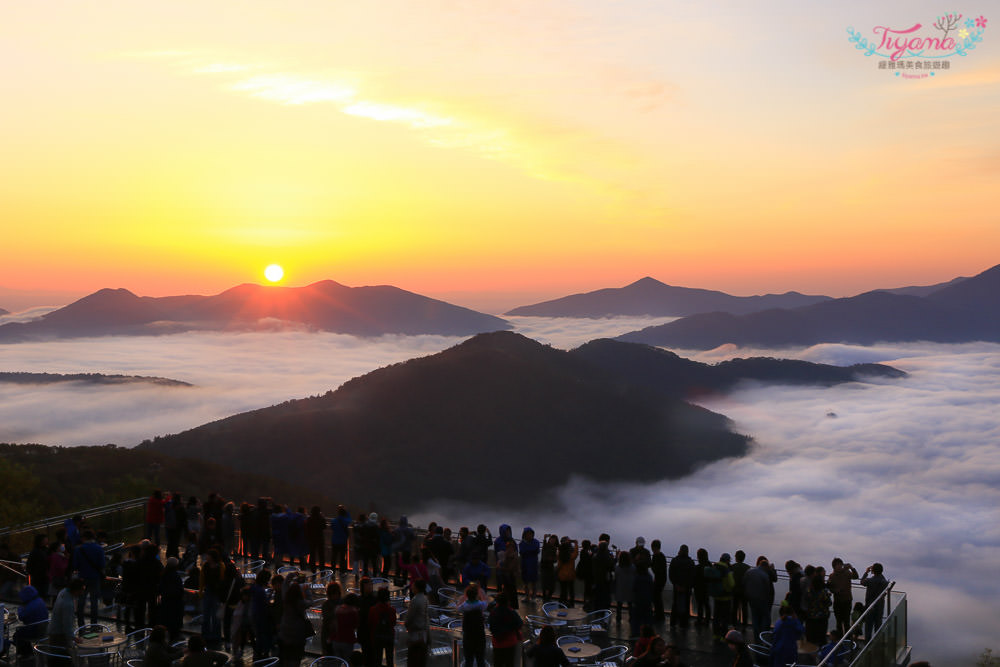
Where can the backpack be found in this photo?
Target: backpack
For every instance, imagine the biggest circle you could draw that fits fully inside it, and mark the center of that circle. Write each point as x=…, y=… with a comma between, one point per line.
x=385, y=630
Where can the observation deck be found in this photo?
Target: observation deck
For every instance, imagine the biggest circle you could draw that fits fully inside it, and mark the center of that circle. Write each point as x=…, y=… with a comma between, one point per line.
x=122, y=523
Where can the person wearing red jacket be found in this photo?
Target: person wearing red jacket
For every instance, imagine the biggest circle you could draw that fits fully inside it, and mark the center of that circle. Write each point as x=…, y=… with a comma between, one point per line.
x=154, y=516
x=382, y=624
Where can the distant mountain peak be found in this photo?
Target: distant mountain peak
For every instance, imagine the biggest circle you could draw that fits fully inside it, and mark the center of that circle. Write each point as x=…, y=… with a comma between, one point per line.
x=322, y=306
x=647, y=282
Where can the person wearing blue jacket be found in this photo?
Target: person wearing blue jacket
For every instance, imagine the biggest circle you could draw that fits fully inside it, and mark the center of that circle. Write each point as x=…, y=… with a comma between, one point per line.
x=32, y=613
x=88, y=563
x=529, y=548
x=338, y=540
x=500, y=543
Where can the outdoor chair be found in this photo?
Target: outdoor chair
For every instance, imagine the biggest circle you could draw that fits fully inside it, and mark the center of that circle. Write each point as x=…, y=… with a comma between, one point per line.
x=565, y=640
x=47, y=655
x=761, y=654
x=134, y=647
x=328, y=661
x=594, y=622
x=612, y=654
x=550, y=608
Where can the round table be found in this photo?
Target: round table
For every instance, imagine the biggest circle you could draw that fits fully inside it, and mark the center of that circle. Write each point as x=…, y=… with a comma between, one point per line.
x=570, y=615
x=95, y=643
x=580, y=650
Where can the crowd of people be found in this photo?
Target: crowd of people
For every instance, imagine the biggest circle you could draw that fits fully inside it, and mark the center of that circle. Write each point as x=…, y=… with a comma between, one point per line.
x=201, y=539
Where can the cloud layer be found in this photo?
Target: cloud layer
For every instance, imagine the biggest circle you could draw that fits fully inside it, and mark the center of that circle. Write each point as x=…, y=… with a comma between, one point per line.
x=903, y=472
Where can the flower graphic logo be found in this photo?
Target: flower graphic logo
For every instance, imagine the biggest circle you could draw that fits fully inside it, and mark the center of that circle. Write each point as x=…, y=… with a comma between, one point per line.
x=963, y=33
x=981, y=22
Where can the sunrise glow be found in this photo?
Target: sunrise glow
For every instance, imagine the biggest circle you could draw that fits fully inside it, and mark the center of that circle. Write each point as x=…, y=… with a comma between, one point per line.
x=504, y=149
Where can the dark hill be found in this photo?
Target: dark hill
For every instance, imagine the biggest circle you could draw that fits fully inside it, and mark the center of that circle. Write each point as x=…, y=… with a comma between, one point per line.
x=65, y=479
x=87, y=378
x=499, y=419
x=324, y=306
x=683, y=378
x=4, y=312
x=923, y=290
x=651, y=297
x=961, y=312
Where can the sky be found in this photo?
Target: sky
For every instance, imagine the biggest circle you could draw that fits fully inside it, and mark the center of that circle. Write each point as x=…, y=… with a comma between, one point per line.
x=488, y=153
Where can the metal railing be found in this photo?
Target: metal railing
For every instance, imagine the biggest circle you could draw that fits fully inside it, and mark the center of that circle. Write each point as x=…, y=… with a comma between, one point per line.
x=887, y=645
x=118, y=520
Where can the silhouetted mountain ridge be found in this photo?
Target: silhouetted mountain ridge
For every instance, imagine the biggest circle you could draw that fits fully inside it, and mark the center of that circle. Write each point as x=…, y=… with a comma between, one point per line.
x=648, y=296
x=324, y=306
x=674, y=375
x=498, y=418
x=963, y=311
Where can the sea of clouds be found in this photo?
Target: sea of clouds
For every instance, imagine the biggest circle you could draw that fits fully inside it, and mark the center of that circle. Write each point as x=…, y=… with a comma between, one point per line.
x=905, y=472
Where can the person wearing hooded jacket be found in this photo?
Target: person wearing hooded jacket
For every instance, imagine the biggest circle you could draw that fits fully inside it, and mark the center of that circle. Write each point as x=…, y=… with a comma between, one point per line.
x=31, y=613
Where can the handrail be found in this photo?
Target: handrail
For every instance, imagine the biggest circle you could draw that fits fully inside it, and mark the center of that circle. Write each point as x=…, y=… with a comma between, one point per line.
x=4, y=565
x=884, y=595
x=58, y=520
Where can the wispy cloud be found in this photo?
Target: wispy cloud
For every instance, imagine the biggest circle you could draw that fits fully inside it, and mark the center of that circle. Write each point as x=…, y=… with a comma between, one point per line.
x=542, y=149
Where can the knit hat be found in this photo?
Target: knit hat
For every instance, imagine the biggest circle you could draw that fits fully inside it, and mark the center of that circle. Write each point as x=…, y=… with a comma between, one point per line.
x=373, y=516
x=640, y=541
x=726, y=558
x=734, y=637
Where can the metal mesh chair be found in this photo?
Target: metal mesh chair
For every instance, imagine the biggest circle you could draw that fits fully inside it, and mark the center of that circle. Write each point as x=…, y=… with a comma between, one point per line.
x=565, y=640
x=615, y=654
x=328, y=661
x=134, y=647
x=50, y=654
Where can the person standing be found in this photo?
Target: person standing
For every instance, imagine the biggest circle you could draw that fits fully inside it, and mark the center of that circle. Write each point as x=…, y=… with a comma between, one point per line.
x=758, y=589
x=817, y=603
x=874, y=583
x=339, y=526
x=566, y=573
x=294, y=628
x=839, y=583
x=88, y=563
x=787, y=632
x=154, y=516
x=38, y=565
x=550, y=553
x=382, y=622
x=315, y=525
x=505, y=628
x=473, y=611
x=658, y=564
x=529, y=549
x=417, y=627
x=739, y=569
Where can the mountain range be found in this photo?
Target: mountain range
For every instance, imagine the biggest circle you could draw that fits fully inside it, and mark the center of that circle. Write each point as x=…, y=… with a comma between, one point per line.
x=323, y=306
x=651, y=297
x=499, y=418
x=959, y=311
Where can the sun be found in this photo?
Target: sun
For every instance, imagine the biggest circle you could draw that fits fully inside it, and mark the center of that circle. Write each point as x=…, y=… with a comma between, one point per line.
x=274, y=273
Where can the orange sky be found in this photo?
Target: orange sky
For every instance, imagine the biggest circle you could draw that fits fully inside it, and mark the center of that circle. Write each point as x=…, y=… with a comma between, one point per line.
x=515, y=150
